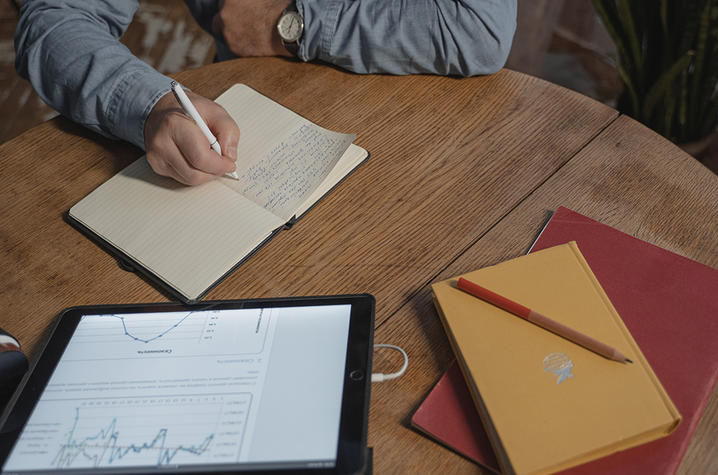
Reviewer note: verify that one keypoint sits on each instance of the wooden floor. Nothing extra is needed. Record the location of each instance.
(165, 36)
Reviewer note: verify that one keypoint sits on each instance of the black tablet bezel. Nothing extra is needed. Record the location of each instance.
(352, 446)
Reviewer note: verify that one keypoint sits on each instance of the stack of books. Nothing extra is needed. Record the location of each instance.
(521, 399)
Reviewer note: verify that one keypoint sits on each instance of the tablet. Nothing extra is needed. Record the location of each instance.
(270, 385)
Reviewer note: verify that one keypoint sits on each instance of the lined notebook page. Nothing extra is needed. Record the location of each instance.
(353, 156)
(188, 236)
(283, 157)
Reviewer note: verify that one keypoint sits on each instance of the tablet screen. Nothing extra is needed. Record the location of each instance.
(243, 388)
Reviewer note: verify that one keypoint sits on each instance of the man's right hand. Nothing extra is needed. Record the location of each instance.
(176, 147)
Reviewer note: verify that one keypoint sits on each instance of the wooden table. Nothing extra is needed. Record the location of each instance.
(462, 175)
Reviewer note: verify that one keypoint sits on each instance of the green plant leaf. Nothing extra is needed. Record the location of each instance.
(667, 59)
(607, 11)
(710, 121)
(656, 48)
(664, 23)
(631, 31)
(635, 108)
(670, 111)
(661, 88)
(687, 13)
(683, 91)
(697, 77)
(707, 88)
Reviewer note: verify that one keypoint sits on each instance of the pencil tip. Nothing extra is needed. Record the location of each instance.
(629, 361)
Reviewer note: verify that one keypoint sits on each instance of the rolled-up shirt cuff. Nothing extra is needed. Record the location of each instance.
(132, 101)
(320, 19)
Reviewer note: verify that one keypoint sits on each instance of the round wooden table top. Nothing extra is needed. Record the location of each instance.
(462, 174)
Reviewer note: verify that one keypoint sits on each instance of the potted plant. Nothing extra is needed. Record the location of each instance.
(668, 62)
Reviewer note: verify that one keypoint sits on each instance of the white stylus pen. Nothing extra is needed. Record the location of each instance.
(191, 111)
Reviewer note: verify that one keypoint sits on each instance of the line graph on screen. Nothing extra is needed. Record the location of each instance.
(169, 334)
(140, 431)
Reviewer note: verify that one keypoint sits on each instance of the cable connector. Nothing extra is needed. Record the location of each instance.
(379, 377)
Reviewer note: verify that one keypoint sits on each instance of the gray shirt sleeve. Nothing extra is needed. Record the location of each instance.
(71, 54)
(447, 37)
(70, 51)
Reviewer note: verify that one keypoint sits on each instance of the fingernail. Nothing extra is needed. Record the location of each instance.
(232, 152)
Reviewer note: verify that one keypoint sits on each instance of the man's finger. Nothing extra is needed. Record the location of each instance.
(195, 149)
(221, 124)
(225, 129)
(167, 160)
(183, 171)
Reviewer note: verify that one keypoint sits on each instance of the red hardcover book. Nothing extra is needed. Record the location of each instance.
(669, 304)
(448, 415)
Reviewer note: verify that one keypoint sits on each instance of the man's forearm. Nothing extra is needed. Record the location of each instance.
(71, 54)
(462, 38)
(405, 37)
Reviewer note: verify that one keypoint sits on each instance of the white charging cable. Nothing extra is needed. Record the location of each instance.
(379, 377)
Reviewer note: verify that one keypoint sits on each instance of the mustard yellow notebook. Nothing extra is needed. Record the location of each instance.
(547, 403)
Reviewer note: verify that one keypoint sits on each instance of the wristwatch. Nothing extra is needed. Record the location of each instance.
(290, 27)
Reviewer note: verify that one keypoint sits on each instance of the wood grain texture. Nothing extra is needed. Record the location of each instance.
(629, 178)
(461, 174)
(385, 230)
(434, 142)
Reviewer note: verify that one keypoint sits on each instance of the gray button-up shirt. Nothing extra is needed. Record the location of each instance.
(69, 49)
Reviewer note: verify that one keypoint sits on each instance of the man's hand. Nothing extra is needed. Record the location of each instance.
(250, 26)
(177, 148)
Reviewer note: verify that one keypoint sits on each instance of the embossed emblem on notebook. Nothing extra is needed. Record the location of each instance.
(560, 365)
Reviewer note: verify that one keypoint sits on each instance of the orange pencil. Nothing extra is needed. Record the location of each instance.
(542, 321)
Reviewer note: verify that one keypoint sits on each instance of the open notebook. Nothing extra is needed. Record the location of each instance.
(187, 239)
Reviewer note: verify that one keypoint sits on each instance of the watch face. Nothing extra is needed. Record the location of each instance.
(290, 26)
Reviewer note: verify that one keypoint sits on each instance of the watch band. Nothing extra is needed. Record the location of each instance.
(292, 7)
(292, 47)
